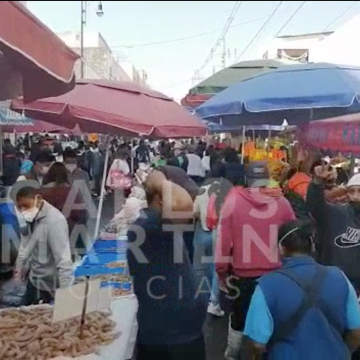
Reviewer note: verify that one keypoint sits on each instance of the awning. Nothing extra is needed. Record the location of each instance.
(34, 62)
(125, 108)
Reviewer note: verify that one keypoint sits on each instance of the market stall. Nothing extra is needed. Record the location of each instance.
(31, 333)
(107, 260)
(124, 314)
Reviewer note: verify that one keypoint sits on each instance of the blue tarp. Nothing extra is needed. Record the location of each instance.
(101, 246)
(297, 93)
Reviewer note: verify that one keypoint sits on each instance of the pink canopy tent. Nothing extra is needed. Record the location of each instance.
(339, 134)
(102, 106)
(41, 127)
(34, 62)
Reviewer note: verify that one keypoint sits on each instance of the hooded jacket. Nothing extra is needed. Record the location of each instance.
(248, 229)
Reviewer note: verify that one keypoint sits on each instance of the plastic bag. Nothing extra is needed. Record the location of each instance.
(12, 293)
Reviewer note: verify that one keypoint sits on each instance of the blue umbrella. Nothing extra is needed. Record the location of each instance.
(298, 93)
(218, 128)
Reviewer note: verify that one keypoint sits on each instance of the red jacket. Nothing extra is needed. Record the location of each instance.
(248, 230)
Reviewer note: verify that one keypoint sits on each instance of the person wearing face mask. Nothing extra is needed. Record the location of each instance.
(304, 310)
(42, 164)
(337, 225)
(44, 255)
(74, 172)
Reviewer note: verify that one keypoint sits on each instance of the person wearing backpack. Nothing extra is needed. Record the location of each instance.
(303, 310)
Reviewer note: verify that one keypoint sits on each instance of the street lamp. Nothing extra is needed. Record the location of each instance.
(99, 12)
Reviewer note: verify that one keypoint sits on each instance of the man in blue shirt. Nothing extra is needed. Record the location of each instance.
(304, 310)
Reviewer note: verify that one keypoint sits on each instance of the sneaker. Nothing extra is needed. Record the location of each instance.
(215, 310)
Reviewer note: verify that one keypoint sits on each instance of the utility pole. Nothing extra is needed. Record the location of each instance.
(223, 55)
(99, 12)
(83, 23)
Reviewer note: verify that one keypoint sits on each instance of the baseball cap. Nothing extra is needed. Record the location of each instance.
(257, 174)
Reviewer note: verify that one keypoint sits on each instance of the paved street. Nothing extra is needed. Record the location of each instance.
(215, 337)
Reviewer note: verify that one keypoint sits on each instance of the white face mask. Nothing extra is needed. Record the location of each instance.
(30, 215)
(71, 167)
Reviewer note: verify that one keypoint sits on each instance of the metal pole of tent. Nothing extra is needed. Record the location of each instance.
(243, 145)
(102, 192)
(268, 143)
(132, 156)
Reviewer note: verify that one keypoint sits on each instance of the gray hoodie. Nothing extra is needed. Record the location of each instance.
(45, 251)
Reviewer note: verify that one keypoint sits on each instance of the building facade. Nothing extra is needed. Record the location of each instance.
(99, 60)
(294, 47)
(137, 76)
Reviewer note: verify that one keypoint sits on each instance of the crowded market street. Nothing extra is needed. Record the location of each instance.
(179, 180)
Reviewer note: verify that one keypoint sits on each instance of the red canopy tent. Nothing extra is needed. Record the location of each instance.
(39, 127)
(34, 62)
(339, 134)
(102, 106)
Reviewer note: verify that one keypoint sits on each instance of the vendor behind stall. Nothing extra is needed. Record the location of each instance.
(44, 255)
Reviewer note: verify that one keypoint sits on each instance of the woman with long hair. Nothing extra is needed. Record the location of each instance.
(56, 191)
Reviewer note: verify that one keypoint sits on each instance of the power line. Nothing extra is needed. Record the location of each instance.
(340, 16)
(169, 41)
(225, 30)
(290, 18)
(260, 31)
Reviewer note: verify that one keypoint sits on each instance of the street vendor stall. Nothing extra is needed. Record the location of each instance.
(124, 314)
(31, 333)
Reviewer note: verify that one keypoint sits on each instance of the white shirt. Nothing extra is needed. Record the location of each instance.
(206, 163)
(201, 205)
(195, 167)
